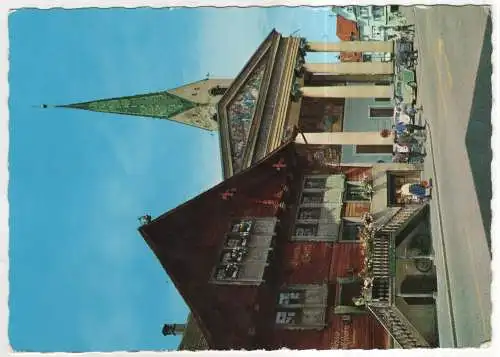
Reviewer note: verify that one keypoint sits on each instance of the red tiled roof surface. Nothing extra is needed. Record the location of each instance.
(346, 29)
(350, 56)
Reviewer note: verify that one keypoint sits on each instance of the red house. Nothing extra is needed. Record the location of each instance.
(347, 30)
(270, 258)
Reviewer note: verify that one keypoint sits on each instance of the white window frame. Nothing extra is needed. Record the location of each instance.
(380, 105)
(311, 238)
(353, 183)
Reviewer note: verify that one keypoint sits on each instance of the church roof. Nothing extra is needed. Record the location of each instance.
(187, 242)
(163, 105)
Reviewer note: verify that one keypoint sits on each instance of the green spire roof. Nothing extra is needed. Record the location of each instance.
(157, 105)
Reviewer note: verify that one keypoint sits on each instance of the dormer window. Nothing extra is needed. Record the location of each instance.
(229, 271)
(246, 251)
(218, 90)
(242, 227)
(234, 255)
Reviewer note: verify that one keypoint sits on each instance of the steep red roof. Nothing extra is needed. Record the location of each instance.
(346, 29)
(187, 242)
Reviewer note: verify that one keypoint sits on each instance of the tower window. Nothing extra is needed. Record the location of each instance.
(215, 91)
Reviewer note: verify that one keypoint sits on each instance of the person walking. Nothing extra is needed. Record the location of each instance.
(400, 149)
(402, 128)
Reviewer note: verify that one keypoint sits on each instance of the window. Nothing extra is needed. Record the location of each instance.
(227, 272)
(350, 231)
(381, 112)
(309, 213)
(378, 12)
(347, 291)
(312, 197)
(234, 242)
(374, 149)
(242, 227)
(302, 306)
(356, 192)
(315, 182)
(234, 255)
(290, 298)
(287, 317)
(306, 229)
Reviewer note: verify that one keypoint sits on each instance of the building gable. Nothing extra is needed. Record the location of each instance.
(242, 105)
(188, 241)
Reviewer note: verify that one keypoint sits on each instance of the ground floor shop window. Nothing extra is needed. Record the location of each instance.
(350, 231)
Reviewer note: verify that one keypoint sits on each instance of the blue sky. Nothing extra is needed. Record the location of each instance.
(81, 277)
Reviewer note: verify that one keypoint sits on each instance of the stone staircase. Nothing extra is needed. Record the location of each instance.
(401, 219)
(380, 256)
(405, 334)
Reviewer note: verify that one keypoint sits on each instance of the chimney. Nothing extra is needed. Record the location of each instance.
(173, 329)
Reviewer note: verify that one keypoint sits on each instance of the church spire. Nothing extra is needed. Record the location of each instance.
(192, 104)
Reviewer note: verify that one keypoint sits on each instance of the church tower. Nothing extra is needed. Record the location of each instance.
(192, 104)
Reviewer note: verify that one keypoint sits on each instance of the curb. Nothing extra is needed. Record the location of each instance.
(440, 232)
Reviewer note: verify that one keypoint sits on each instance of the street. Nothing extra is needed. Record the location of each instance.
(454, 88)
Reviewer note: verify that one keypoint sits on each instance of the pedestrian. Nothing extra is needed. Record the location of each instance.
(402, 128)
(417, 190)
(410, 27)
(411, 111)
(400, 149)
(399, 158)
(406, 139)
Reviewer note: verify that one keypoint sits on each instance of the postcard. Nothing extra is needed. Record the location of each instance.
(249, 178)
